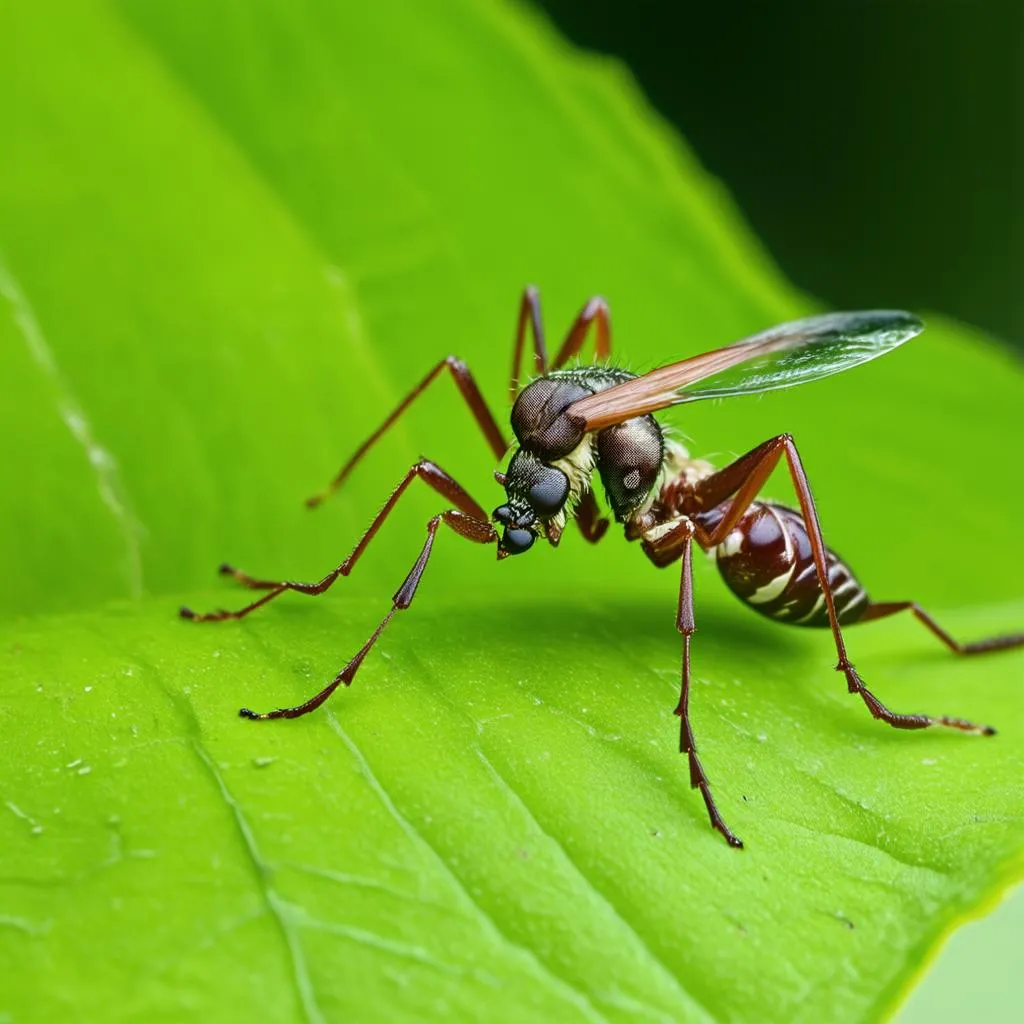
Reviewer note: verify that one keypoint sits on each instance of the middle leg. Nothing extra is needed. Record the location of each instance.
(592, 524)
(670, 543)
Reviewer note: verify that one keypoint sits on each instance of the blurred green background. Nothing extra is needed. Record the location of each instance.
(875, 146)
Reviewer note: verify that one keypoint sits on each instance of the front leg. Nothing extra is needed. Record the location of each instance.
(431, 473)
(464, 525)
(468, 520)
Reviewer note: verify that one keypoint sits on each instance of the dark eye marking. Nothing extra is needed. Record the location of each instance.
(515, 542)
(548, 494)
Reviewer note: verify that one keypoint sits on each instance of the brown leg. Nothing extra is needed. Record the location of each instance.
(464, 525)
(529, 313)
(681, 537)
(429, 472)
(470, 392)
(245, 579)
(882, 610)
(594, 311)
(744, 479)
(589, 520)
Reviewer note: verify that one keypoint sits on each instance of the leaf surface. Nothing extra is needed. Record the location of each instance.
(232, 237)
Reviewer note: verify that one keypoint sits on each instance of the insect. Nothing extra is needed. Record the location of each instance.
(572, 422)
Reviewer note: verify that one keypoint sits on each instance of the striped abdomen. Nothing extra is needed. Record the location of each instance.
(766, 561)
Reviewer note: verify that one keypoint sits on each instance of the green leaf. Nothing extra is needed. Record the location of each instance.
(232, 236)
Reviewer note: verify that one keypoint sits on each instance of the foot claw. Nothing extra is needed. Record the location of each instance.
(251, 715)
(186, 613)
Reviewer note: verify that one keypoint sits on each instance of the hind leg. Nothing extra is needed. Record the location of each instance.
(735, 487)
(882, 610)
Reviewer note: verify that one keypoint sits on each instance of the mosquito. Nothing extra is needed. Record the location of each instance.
(575, 420)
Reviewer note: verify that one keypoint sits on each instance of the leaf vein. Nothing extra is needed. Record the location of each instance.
(511, 793)
(559, 984)
(278, 908)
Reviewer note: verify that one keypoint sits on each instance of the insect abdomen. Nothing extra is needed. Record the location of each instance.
(766, 561)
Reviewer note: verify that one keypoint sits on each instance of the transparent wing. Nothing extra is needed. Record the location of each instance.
(781, 357)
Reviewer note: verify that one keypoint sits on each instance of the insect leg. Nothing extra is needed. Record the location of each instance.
(470, 392)
(744, 478)
(594, 311)
(740, 480)
(682, 536)
(427, 471)
(529, 313)
(882, 610)
(467, 526)
(588, 518)
(246, 580)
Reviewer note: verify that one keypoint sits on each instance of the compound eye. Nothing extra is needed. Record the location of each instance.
(515, 542)
(548, 494)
